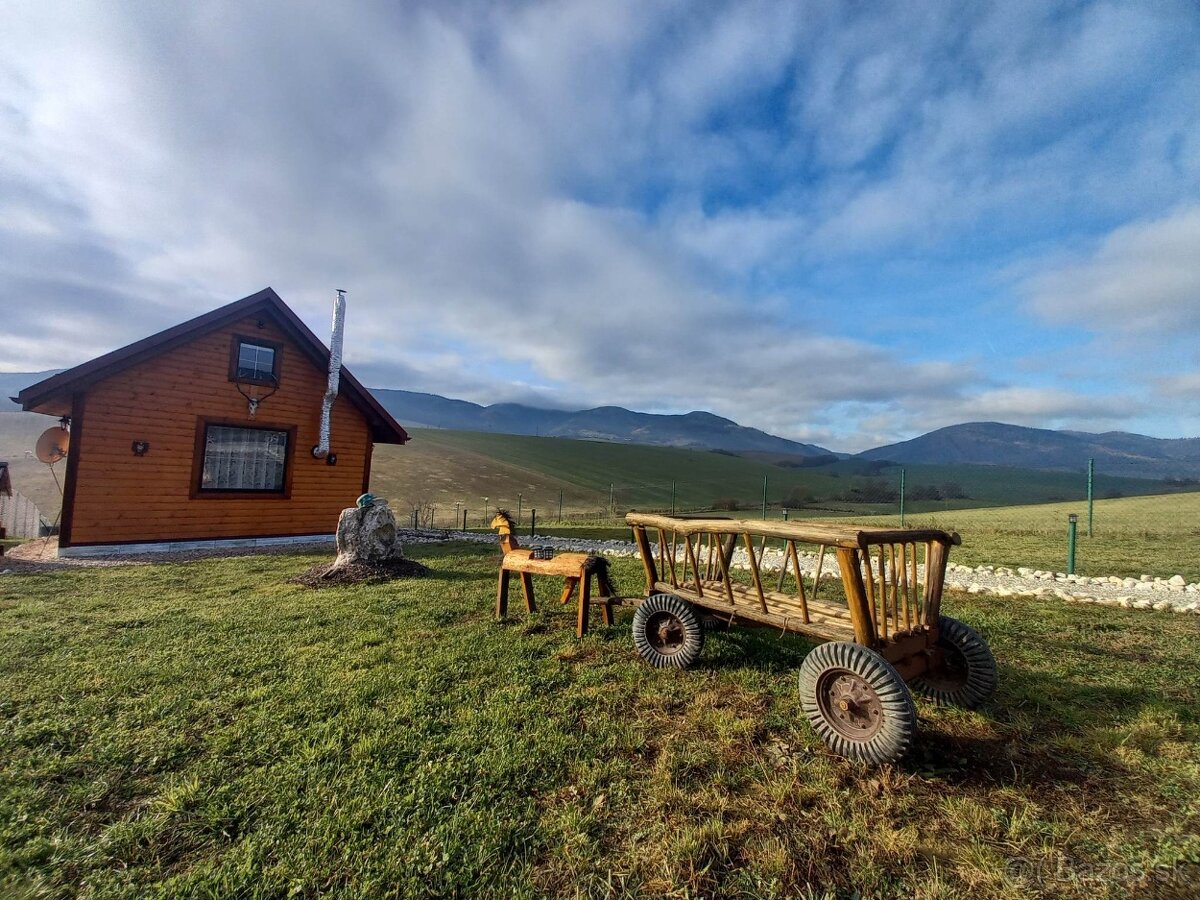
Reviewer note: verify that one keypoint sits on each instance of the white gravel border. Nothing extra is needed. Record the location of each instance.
(1172, 594)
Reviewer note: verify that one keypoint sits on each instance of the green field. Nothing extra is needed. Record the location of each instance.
(445, 467)
(211, 730)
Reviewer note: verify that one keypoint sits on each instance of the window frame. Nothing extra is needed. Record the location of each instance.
(199, 492)
(235, 353)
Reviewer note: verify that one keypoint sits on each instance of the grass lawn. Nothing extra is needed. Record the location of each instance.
(209, 729)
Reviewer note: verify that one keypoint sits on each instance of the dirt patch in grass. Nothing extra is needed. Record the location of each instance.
(324, 575)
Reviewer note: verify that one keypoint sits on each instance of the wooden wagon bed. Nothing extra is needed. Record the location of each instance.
(892, 579)
(884, 634)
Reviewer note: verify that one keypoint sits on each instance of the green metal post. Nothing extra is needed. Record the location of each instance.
(612, 500)
(764, 496)
(464, 528)
(1091, 492)
(901, 498)
(532, 522)
(672, 498)
(1072, 521)
(560, 504)
(520, 497)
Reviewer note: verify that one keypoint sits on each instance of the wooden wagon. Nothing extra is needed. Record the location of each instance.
(871, 597)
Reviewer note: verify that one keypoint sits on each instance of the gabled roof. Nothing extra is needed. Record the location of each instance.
(384, 428)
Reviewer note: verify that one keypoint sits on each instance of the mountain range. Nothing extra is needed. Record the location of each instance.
(972, 443)
(694, 430)
(992, 443)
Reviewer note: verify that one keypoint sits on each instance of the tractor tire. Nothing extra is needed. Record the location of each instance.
(968, 675)
(857, 703)
(667, 632)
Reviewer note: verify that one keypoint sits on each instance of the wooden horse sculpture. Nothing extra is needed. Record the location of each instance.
(577, 568)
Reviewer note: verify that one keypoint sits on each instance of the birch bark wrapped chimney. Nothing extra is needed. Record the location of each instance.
(321, 450)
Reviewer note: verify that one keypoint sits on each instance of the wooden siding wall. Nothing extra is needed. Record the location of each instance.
(120, 497)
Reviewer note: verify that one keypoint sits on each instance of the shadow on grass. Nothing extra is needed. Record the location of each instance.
(1025, 734)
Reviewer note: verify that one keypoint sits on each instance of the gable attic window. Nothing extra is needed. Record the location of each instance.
(254, 360)
(235, 461)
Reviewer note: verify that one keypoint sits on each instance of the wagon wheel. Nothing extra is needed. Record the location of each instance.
(857, 703)
(667, 631)
(967, 675)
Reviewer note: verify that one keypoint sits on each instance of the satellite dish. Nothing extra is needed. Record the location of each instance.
(52, 446)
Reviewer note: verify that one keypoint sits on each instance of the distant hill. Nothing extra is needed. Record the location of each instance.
(12, 383)
(994, 444)
(695, 430)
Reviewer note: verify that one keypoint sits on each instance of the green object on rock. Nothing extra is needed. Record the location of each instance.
(365, 500)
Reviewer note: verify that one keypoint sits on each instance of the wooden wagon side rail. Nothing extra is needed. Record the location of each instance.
(886, 602)
(849, 536)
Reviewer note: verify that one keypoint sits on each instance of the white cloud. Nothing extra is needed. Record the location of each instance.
(569, 192)
(1143, 277)
(1185, 385)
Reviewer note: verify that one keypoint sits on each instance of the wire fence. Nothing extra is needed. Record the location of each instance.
(1085, 520)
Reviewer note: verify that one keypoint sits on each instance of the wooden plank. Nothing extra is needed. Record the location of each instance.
(502, 595)
(585, 598)
(869, 584)
(527, 589)
(818, 630)
(851, 537)
(606, 609)
(691, 559)
(935, 578)
(639, 536)
(856, 597)
(914, 594)
(568, 591)
(883, 619)
(663, 560)
(799, 579)
(903, 584)
(754, 574)
(564, 565)
(786, 603)
(817, 576)
(725, 579)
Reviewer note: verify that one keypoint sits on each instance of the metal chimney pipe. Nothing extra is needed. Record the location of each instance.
(321, 450)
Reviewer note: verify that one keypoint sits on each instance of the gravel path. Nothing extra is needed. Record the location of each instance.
(1172, 594)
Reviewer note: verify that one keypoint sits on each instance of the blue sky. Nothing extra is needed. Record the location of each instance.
(843, 223)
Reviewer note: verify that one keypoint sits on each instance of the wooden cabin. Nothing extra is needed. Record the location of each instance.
(166, 451)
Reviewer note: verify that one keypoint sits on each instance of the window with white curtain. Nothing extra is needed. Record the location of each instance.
(244, 459)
